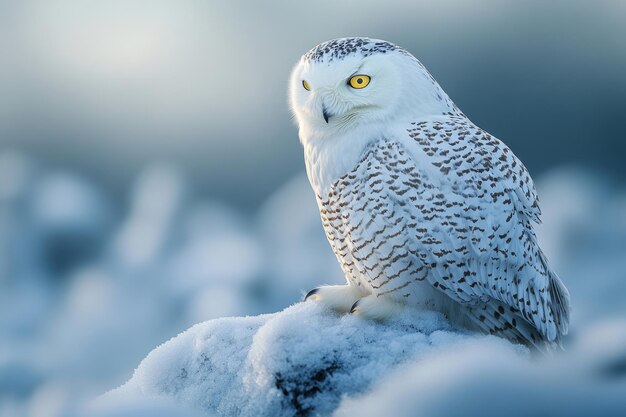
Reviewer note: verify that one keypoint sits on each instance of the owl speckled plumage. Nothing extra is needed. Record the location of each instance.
(421, 207)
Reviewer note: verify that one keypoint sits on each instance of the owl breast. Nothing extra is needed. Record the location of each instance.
(370, 231)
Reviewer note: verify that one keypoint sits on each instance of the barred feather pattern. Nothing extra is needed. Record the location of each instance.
(441, 216)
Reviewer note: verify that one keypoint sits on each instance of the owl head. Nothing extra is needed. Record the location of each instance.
(360, 82)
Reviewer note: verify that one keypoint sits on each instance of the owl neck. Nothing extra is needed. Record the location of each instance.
(328, 157)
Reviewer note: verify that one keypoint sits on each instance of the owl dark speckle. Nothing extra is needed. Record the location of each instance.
(339, 48)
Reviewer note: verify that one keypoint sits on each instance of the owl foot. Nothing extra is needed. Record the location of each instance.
(375, 308)
(338, 297)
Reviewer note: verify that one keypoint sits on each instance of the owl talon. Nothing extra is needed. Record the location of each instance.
(375, 308)
(337, 297)
(311, 293)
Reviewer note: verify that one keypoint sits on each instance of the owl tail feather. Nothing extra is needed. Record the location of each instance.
(559, 301)
(495, 318)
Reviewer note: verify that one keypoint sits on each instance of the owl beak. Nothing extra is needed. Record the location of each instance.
(326, 114)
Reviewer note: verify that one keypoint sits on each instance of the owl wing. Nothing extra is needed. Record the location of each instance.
(476, 208)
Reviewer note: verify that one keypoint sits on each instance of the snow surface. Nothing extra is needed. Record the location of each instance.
(300, 361)
(488, 380)
(307, 361)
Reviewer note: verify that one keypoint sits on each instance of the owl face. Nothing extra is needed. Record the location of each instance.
(336, 94)
(361, 87)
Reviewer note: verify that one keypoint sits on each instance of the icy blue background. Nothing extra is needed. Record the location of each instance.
(145, 145)
(106, 87)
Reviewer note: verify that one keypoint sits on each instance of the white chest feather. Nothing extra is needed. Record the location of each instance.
(328, 158)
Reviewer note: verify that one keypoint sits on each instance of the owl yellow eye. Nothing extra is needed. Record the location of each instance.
(359, 81)
(306, 85)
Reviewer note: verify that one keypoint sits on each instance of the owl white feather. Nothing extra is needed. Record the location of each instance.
(421, 207)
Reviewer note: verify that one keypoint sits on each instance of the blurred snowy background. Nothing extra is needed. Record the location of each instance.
(145, 145)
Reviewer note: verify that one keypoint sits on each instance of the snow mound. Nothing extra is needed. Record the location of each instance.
(487, 380)
(301, 361)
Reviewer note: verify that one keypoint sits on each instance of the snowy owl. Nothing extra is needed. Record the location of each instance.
(421, 207)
